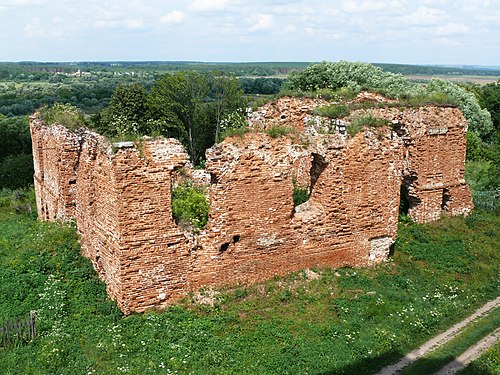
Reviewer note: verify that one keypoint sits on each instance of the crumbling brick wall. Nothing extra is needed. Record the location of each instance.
(120, 196)
(434, 160)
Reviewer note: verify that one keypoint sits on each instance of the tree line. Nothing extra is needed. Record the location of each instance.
(187, 105)
(197, 106)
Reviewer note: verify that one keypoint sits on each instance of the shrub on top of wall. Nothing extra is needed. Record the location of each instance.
(358, 123)
(357, 76)
(63, 114)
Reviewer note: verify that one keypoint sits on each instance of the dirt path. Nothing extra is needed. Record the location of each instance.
(470, 354)
(439, 340)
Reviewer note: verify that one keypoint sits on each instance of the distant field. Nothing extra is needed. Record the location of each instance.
(482, 80)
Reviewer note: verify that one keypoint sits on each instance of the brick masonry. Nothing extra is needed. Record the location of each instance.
(120, 197)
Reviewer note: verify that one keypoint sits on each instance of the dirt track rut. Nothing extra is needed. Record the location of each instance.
(441, 339)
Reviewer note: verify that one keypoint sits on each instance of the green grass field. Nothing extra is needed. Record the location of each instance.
(437, 359)
(488, 363)
(345, 321)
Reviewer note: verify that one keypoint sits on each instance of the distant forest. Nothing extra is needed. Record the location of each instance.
(27, 86)
(256, 69)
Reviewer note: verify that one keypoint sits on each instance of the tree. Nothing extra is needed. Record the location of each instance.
(15, 136)
(489, 98)
(228, 97)
(16, 171)
(126, 112)
(354, 75)
(177, 100)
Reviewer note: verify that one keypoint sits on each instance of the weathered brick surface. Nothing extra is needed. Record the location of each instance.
(434, 159)
(121, 198)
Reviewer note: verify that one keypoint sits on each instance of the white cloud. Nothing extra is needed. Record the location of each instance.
(426, 16)
(36, 29)
(447, 42)
(21, 3)
(309, 31)
(133, 23)
(288, 30)
(128, 23)
(451, 29)
(262, 22)
(493, 18)
(434, 2)
(362, 6)
(172, 18)
(208, 5)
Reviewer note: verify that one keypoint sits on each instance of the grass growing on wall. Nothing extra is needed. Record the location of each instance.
(300, 193)
(345, 321)
(357, 124)
(63, 114)
(190, 205)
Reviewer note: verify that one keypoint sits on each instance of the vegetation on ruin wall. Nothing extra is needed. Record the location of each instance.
(300, 193)
(359, 123)
(25, 87)
(63, 114)
(190, 206)
(357, 76)
(341, 81)
(344, 321)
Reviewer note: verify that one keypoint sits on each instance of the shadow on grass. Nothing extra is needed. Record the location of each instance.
(372, 366)
(368, 366)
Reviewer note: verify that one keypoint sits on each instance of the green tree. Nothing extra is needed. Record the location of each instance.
(228, 97)
(489, 98)
(126, 112)
(177, 100)
(16, 171)
(15, 136)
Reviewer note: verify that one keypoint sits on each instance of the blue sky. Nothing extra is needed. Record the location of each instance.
(397, 31)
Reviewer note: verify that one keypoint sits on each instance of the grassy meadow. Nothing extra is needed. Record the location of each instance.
(320, 322)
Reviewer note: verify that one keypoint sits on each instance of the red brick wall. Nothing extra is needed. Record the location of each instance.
(121, 199)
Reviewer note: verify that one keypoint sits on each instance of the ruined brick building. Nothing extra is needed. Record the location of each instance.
(120, 196)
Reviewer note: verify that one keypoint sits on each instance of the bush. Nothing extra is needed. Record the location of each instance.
(300, 194)
(63, 114)
(21, 201)
(334, 111)
(358, 123)
(276, 131)
(355, 76)
(233, 124)
(190, 206)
